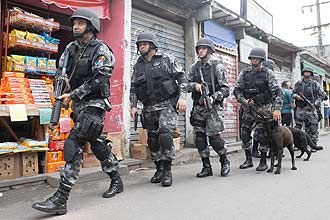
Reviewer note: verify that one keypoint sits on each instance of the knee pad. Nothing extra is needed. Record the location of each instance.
(218, 144)
(101, 148)
(72, 148)
(153, 141)
(200, 141)
(246, 135)
(165, 138)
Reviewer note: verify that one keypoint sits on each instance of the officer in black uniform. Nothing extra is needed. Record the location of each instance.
(158, 81)
(256, 88)
(89, 68)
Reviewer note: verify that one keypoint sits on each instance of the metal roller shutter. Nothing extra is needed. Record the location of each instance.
(171, 39)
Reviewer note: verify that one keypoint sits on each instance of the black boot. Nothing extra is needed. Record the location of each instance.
(225, 165)
(206, 170)
(255, 151)
(317, 147)
(55, 204)
(263, 163)
(167, 173)
(116, 185)
(157, 178)
(248, 162)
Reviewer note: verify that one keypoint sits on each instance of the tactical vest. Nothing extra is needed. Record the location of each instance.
(155, 81)
(206, 71)
(256, 86)
(309, 91)
(80, 70)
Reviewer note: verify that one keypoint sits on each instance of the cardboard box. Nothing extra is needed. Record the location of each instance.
(54, 156)
(117, 139)
(143, 136)
(89, 160)
(55, 167)
(10, 166)
(30, 164)
(87, 148)
(56, 145)
(176, 142)
(139, 151)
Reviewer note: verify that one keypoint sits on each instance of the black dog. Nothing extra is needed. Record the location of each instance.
(279, 138)
(301, 140)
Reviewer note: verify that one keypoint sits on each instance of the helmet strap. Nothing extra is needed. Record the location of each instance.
(89, 28)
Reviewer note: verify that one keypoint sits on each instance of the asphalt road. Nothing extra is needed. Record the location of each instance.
(303, 194)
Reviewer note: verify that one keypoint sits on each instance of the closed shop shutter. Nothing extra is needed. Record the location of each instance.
(171, 39)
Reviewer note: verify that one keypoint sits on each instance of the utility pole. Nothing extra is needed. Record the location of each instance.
(320, 48)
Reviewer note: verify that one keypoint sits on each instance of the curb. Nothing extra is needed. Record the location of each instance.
(185, 156)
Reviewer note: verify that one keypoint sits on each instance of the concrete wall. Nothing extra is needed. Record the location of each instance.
(191, 37)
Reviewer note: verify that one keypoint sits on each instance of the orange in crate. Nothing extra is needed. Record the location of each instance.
(55, 167)
(55, 156)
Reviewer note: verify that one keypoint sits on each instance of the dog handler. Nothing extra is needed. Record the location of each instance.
(257, 87)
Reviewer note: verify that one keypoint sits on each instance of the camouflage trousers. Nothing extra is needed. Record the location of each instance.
(208, 124)
(248, 124)
(160, 125)
(73, 154)
(308, 117)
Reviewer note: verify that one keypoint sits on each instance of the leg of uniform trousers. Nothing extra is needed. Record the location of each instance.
(300, 117)
(311, 127)
(154, 146)
(248, 121)
(262, 139)
(204, 152)
(56, 204)
(150, 122)
(167, 123)
(199, 116)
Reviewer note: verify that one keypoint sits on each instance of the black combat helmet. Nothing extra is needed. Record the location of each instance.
(88, 15)
(147, 37)
(270, 64)
(307, 69)
(206, 43)
(258, 53)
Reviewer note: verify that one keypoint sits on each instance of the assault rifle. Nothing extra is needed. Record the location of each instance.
(306, 101)
(58, 91)
(205, 98)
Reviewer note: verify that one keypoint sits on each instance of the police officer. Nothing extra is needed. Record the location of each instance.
(257, 88)
(308, 90)
(208, 123)
(89, 68)
(158, 81)
(255, 146)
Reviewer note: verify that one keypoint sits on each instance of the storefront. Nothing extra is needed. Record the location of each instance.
(33, 35)
(171, 39)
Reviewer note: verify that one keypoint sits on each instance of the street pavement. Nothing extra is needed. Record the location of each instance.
(303, 194)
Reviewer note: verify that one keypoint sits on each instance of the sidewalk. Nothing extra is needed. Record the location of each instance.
(185, 156)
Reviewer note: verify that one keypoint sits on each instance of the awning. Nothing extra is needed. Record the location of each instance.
(318, 70)
(220, 35)
(100, 7)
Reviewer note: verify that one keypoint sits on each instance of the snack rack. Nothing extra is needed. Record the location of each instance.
(22, 162)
